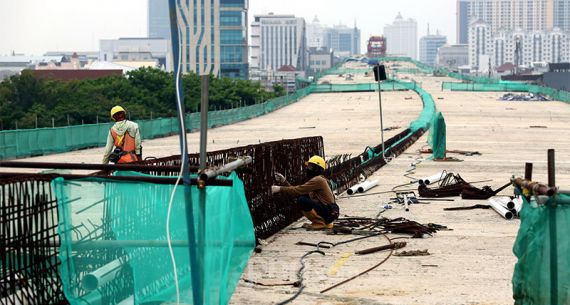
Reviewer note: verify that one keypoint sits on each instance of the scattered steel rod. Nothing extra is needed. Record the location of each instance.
(396, 245)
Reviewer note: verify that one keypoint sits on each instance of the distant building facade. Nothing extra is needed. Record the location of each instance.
(343, 40)
(453, 56)
(158, 19)
(402, 37)
(376, 47)
(462, 21)
(562, 15)
(320, 59)
(315, 34)
(277, 41)
(214, 37)
(521, 48)
(146, 50)
(429, 45)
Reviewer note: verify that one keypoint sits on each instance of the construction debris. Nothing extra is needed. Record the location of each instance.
(413, 253)
(526, 97)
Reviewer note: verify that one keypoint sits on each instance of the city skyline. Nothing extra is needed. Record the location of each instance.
(71, 26)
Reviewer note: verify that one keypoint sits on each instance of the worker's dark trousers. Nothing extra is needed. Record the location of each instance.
(329, 212)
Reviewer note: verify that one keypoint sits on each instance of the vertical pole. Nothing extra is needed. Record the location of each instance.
(68, 120)
(196, 263)
(528, 171)
(380, 106)
(553, 232)
(204, 121)
(52, 122)
(36, 121)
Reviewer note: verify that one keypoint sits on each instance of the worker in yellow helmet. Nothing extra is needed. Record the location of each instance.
(315, 196)
(124, 139)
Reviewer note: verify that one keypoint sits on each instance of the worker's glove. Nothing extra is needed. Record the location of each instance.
(275, 189)
(279, 178)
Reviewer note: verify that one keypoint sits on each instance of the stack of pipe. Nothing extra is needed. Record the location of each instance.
(362, 187)
(497, 205)
(432, 179)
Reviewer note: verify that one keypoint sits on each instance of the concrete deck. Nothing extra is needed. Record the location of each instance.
(473, 264)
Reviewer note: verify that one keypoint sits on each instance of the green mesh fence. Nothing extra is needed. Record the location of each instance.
(114, 244)
(542, 272)
(437, 137)
(560, 95)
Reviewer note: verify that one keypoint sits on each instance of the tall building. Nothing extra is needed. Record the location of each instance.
(562, 14)
(479, 43)
(402, 37)
(343, 40)
(527, 15)
(462, 24)
(315, 34)
(453, 56)
(277, 41)
(214, 37)
(429, 45)
(158, 19)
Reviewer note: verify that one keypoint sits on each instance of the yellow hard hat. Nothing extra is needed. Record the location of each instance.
(318, 161)
(117, 109)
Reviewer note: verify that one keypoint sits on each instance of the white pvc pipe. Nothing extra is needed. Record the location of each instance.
(507, 202)
(101, 276)
(518, 204)
(354, 188)
(406, 203)
(432, 179)
(366, 185)
(500, 209)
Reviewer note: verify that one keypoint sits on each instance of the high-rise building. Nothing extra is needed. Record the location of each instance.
(402, 37)
(342, 39)
(158, 19)
(479, 43)
(527, 15)
(277, 41)
(462, 24)
(125, 50)
(562, 14)
(453, 56)
(429, 45)
(315, 34)
(214, 37)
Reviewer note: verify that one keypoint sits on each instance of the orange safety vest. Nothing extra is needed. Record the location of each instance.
(127, 143)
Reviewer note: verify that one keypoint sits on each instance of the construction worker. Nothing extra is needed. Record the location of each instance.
(124, 139)
(314, 196)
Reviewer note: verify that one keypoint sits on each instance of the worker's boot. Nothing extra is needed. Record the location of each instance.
(317, 222)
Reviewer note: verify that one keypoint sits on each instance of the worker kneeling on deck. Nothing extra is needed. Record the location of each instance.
(124, 139)
(315, 196)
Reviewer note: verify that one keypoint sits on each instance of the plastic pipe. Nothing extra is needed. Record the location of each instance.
(518, 204)
(209, 174)
(366, 185)
(500, 209)
(101, 276)
(432, 179)
(354, 188)
(507, 202)
(407, 207)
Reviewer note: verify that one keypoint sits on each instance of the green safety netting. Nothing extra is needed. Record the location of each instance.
(114, 244)
(560, 95)
(542, 272)
(437, 137)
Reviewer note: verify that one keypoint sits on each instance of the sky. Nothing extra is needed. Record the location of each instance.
(33, 27)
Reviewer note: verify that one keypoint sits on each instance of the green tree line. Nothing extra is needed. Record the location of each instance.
(146, 93)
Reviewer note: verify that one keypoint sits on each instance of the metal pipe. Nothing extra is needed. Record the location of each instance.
(156, 180)
(500, 209)
(204, 103)
(535, 187)
(432, 179)
(86, 166)
(366, 185)
(528, 171)
(211, 173)
(551, 169)
(119, 244)
(407, 207)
